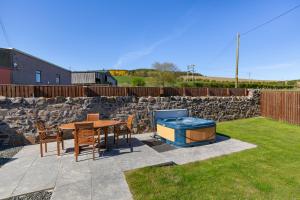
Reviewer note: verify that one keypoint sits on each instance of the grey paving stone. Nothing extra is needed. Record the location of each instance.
(75, 191)
(114, 187)
(40, 176)
(9, 181)
(192, 154)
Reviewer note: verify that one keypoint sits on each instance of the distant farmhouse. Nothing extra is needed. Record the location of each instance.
(93, 77)
(17, 67)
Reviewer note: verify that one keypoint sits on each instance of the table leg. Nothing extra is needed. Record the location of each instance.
(105, 130)
(61, 134)
(99, 139)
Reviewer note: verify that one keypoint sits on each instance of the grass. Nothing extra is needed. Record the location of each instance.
(126, 80)
(270, 171)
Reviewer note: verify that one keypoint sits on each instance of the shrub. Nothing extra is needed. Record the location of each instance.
(138, 82)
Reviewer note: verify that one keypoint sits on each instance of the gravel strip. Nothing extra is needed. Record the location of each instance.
(41, 195)
(7, 152)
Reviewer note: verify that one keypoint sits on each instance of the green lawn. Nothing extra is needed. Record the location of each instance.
(270, 171)
(126, 80)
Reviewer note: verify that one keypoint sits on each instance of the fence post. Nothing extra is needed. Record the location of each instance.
(184, 91)
(32, 90)
(161, 92)
(126, 91)
(228, 92)
(85, 91)
(207, 91)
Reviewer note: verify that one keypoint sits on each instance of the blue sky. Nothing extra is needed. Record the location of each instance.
(128, 34)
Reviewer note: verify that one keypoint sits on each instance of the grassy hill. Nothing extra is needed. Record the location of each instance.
(148, 76)
(127, 80)
(216, 78)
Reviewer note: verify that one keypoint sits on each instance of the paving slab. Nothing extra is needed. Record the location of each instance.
(141, 156)
(192, 154)
(75, 191)
(41, 175)
(71, 172)
(13, 172)
(114, 187)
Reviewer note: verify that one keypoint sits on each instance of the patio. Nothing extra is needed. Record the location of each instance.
(102, 178)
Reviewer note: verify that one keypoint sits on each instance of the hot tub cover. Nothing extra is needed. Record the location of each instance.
(186, 123)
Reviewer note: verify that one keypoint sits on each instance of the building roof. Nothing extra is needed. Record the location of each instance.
(96, 71)
(27, 54)
(91, 71)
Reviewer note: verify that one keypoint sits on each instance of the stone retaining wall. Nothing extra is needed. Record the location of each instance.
(18, 115)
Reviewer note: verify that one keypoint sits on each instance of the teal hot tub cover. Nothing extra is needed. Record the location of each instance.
(189, 123)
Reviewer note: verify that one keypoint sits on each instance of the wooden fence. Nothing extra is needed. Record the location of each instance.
(281, 105)
(91, 91)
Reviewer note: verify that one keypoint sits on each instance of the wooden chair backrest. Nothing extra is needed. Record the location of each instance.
(40, 125)
(93, 117)
(41, 128)
(130, 122)
(84, 130)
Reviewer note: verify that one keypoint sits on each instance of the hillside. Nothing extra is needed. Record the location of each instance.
(215, 78)
(147, 76)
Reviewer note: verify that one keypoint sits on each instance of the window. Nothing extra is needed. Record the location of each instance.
(57, 80)
(38, 76)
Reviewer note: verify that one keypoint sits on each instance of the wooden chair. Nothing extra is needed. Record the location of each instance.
(126, 130)
(94, 117)
(48, 134)
(84, 135)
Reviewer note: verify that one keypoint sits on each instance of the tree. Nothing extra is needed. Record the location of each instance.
(138, 82)
(165, 73)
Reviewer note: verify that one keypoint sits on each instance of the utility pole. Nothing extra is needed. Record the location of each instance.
(237, 61)
(187, 74)
(249, 79)
(191, 69)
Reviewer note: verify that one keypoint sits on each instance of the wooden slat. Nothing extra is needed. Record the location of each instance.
(281, 105)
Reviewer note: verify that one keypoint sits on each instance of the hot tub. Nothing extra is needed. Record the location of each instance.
(185, 131)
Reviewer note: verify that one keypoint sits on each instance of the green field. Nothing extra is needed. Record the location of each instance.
(150, 81)
(270, 171)
(127, 80)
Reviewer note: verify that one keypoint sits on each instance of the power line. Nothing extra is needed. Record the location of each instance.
(231, 42)
(5, 33)
(270, 20)
(222, 51)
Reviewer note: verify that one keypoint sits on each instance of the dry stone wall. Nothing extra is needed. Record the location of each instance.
(18, 115)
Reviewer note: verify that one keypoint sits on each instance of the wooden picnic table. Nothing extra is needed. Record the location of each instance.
(99, 124)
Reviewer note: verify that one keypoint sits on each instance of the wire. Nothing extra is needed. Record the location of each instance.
(222, 51)
(5, 33)
(270, 20)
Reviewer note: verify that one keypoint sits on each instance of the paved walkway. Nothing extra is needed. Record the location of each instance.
(99, 179)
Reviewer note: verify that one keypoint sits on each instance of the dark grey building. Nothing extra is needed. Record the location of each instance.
(17, 67)
(100, 77)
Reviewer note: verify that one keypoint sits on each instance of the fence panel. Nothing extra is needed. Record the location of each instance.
(238, 91)
(218, 92)
(92, 91)
(16, 91)
(196, 91)
(144, 91)
(281, 105)
(169, 91)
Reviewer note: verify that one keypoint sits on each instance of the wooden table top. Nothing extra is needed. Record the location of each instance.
(97, 124)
